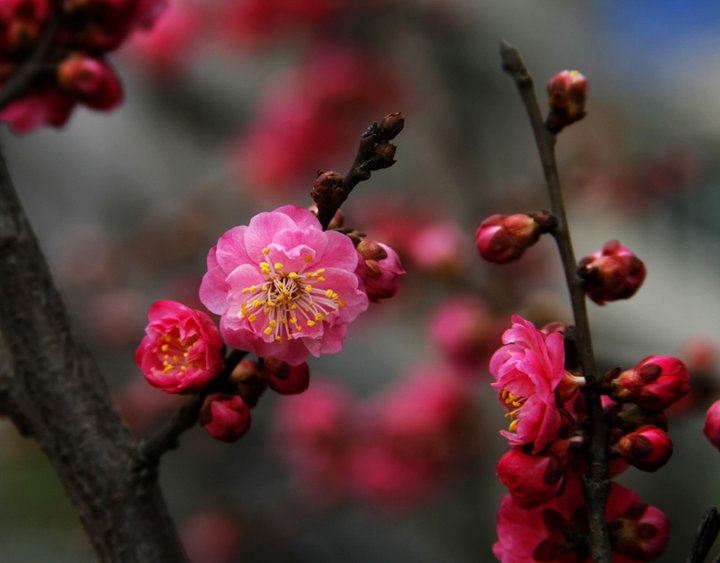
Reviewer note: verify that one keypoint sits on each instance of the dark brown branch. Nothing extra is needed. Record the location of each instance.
(596, 481)
(705, 537)
(374, 153)
(53, 390)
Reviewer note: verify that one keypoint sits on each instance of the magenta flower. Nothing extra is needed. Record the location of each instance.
(283, 286)
(226, 417)
(528, 369)
(182, 348)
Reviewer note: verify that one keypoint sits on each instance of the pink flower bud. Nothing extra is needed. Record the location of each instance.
(568, 93)
(92, 81)
(711, 429)
(647, 448)
(641, 532)
(182, 348)
(504, 238)
(286, 379)
(654, 384)
(382, 269)
(611, 273)
(226, 417)
(533, 480)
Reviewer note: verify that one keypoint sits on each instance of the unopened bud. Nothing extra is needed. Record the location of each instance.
(286, 379)
(380, 269)
(654, 384)
(329, 192)
(391, 125)
(611, 273)
(647, 448)
(711, 429)
(92, 81)
(567, 92)
(641, 533)
(504, 238)
(384, 156)
(226, 417)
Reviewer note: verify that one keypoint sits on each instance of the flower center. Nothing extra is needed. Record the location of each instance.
(178, 355)
(289, 302)
(513, 403)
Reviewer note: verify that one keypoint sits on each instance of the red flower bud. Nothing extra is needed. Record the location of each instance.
(533, 480)
(225, 417)
(647, 448)
(567, 92)
(641, 533)
(712, 424)
(92, 81)
(380, 269)
(286, 379)
(654, 384)
(611, 273)
(504, 238)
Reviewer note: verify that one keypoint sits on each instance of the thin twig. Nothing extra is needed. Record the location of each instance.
(705, 537)
(167, 437)
(596, 481)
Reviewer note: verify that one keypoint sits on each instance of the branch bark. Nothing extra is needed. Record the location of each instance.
(596, 482)
(52, 389)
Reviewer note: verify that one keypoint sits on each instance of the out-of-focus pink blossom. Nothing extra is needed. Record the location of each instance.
(182, 348)
(438, 247)
(226, 417)
(611, 273)
(647, 448)
(311, 117)
(464, 332)
(529, 368)
(210, 537)
(533, 480)
(140, 409)
(20, 24)
(711, 429)
(654, 384)
(381, 269)
(165, 49)
(283, 286)
(47, 105)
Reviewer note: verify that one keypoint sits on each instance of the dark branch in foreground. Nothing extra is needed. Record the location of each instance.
(596, 482)
(52, 389)
(705, 537)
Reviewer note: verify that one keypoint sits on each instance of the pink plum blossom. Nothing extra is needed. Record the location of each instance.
(529, 368)
(182, 348)
(283, 286)
(226, 417)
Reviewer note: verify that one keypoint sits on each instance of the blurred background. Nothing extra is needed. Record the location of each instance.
(232, 106)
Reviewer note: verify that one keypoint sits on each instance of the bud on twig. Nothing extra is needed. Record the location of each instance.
(568, 94)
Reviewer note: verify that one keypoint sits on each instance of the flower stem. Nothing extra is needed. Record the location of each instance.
(596, 482)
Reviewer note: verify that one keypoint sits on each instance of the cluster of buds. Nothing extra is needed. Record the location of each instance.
(77, 35)
(548, 432)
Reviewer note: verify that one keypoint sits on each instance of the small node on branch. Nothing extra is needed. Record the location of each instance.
(391, 125)
(329, 192)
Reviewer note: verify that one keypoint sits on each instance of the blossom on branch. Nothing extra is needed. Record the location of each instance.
(283, 286)
(226, 417)
(182, 348)
(528, 369)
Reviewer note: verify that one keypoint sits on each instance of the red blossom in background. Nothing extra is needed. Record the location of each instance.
(711, 428)
(310, 117)
(283, 286)
(182, 348)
